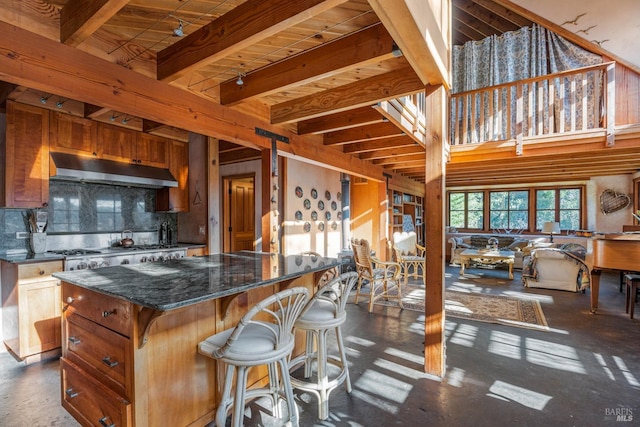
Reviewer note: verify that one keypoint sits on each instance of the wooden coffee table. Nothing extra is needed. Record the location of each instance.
(487, 258)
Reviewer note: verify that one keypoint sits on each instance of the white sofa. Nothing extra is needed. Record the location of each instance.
(553, 268)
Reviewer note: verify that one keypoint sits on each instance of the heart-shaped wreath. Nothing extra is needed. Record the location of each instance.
(611, 201)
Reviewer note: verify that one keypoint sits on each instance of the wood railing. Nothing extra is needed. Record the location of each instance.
(572, 101)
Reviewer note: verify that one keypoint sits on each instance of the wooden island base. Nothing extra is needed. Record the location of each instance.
(133, 366)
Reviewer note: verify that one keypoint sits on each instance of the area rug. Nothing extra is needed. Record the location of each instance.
(523, 313)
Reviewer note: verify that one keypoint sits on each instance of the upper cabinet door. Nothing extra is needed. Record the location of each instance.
(152, 150)
(71, 134)
(26, 153)
(116, 143)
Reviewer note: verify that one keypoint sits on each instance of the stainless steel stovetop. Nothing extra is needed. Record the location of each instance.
(82, 259)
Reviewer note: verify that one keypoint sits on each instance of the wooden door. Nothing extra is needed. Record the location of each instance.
(240, 213)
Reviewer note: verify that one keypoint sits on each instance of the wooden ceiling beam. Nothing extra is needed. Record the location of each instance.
(241, 154)
(362, 133)
(481, 14)
(333, 122)
(517, 20)
(380, 144)
(473, 22)
(391, 160)
(369, 45)
(79, 19)
(50, 66)
(391, 151)
(238, 29)
(394, 84)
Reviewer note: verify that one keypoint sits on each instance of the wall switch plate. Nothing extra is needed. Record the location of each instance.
(22, 235)
(201, 230)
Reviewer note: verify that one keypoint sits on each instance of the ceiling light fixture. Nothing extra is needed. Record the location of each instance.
(44, 99)
(126, 120)
(240, 82)
(113, 117)
(61, 102)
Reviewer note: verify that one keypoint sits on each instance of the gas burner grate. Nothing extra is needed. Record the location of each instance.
(74, 252)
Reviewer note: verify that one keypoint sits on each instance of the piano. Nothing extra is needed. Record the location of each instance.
(614, 251)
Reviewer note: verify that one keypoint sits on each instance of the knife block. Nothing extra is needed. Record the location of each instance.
(38, 242)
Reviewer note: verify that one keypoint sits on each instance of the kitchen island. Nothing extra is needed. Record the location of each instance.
(130, 334)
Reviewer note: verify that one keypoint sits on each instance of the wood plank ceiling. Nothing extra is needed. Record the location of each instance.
(311, 66)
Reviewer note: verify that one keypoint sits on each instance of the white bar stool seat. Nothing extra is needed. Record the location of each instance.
(258, 342)
(324, 312)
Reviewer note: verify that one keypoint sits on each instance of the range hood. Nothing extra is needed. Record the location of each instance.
(69, 167)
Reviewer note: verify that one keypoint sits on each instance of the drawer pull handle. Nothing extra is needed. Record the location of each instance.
(69, 392)
(108, 313)
(103, 422)
(107, 361)
(74, 340)
(41, 272)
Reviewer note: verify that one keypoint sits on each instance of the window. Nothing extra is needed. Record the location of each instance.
(561, 205)
(66, 212)
(109, 211)
(509, 210)
(466, 210)
(516, 210)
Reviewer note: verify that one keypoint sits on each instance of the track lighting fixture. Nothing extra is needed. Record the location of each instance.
(395, 50)
(113, 117)
(240, 82)
(44, 99)
(178, 32)
(61, 102)
(126, 120)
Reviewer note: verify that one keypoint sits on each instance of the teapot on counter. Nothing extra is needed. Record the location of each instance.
(127, 239)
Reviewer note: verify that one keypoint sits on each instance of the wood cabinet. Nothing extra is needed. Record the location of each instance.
(71, 134)
(406, 207)
(31, 310)
(152, 150)
(24, 150)
(195, 252)
(176, 199)
(126, 145)
(128, 365)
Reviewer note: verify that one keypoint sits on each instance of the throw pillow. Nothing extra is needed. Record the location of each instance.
(518, 245)
(575, 249)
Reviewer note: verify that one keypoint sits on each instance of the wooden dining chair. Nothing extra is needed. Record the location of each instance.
(382, 277)
(409, 254)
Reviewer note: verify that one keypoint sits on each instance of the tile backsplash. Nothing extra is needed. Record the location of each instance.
(85, 208)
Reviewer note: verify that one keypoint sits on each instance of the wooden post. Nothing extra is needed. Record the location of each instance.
(269, 204)
(434, 360)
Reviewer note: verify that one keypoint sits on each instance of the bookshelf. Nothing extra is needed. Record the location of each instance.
(401, 204)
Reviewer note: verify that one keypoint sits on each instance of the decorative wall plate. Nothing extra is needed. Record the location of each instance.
(314, 215)
(339, 215)
(327, 215)
(334, 205)
(327, 195)
(298, 215)
(307, 204)
(334, 225)
(611, 201)
(321, 226)
(307, 226)
(299, 192)
(320, 205)
(314, 193)
(339, 196)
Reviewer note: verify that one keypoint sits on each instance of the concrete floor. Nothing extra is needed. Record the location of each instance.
(582, 372)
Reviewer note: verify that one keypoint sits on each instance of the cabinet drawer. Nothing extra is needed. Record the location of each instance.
(89, 401)
(110, 312)
(102, 349)
(37, 272)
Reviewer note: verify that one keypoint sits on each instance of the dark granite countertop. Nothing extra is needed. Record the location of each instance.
(25, 257)
(177, 283)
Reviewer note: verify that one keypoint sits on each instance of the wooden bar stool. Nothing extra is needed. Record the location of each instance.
(324, 312)
(268, 341)
(632, 281)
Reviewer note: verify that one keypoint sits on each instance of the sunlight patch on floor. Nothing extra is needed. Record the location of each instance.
(553, 355)
(505, 344)
(455, 377)
(523, 396)
(461, 334)
(631, 379)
